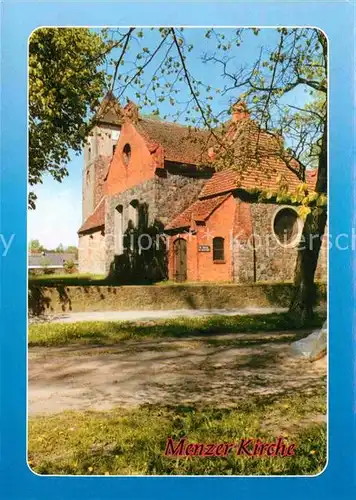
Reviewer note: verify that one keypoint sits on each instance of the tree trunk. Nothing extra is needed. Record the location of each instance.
(304, 294)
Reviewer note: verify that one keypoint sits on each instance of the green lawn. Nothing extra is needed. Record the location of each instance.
(106, 333)
(67, 279)
(133, 441)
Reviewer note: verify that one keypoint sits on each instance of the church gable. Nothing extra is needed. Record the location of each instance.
(132, 163)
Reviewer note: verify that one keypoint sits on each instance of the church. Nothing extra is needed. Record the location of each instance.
(158, 203)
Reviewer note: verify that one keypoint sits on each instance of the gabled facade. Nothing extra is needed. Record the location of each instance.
(154, 208)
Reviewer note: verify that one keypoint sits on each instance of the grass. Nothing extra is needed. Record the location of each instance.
(78, 279)
(111, 332)
(132, 441)
(85, 279)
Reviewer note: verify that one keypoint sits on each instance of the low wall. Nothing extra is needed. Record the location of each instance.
(60, 298)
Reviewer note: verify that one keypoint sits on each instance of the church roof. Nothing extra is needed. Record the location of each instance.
(110, 110)
(181, 144)
(200, 210)
(259, 158)
(96, 220)
(311, 177)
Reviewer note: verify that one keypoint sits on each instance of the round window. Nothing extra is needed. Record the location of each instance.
(287, 227)
(126, 153)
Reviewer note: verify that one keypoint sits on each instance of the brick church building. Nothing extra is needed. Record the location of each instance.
(155, 208)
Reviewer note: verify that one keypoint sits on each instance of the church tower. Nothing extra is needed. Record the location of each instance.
(98, 152)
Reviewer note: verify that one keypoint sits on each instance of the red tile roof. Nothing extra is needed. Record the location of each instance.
(311, 177)
(259, 158)
(198, 211)
(180, 144)
(96, 220)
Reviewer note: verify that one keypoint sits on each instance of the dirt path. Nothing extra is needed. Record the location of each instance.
(221, 370)
(70, 317)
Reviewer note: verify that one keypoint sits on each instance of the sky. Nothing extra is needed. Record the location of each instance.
(58, 214)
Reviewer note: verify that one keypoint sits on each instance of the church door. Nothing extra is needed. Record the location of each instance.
(180, 260)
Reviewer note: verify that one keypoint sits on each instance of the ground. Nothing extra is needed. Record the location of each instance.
(72, 317)
(219, 370)
(105, 404)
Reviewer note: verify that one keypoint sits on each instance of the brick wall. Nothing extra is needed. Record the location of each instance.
(140, 167)
(244, 259)
(252, 252)
(200, 264)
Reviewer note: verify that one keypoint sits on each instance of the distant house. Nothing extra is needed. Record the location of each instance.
(50, 260)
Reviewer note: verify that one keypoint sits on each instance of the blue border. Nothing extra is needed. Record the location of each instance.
(18, 20)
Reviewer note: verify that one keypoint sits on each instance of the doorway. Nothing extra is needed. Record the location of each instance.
(180, 260)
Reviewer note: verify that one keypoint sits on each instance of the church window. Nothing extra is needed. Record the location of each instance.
(133, 212)
(218, 249)
(126, 154)
(287, 227)
(119, 230)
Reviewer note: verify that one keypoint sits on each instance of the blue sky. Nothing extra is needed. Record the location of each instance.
(58, 213)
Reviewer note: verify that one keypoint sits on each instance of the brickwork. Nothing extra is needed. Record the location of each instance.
(200, 263)
(140, 166)
(244, 259)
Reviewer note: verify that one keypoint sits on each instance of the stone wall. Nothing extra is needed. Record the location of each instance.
(163, 197)
(91, 253)
(144, 194)
(59, 298)
(274, 262)
(174, 193)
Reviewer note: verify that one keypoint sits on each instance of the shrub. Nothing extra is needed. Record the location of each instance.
(69, 266)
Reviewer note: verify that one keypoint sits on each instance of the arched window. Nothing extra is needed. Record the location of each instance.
(126, 154)
(218, 249)
(119, 230)
(134, 212)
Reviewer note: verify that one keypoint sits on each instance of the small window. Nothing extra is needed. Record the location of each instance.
(218, 249)
(113, 148)
(119, 230)
(126, 154)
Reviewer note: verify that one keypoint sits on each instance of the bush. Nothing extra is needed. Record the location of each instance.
(69, 267)
(45, 263)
